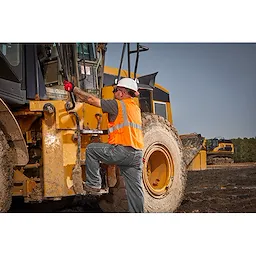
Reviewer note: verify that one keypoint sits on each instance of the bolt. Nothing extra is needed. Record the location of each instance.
(74, 137)
(48, 107)
(156, 182)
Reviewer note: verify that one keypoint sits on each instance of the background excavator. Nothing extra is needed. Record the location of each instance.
(219, 151)
(44, 132)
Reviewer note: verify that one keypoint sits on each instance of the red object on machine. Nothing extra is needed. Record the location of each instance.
(68, 86)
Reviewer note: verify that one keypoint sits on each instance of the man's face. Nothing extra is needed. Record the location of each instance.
(119, 93)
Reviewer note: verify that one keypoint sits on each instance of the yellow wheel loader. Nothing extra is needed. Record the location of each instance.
(219, 151)
(44, 132)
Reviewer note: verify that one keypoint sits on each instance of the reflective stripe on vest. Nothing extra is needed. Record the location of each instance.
(125, 123)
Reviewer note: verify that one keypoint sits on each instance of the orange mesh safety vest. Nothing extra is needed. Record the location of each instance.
(126, 130)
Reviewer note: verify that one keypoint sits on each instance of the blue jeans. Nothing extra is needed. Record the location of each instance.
(129, 161)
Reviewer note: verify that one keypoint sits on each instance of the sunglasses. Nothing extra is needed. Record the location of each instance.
(116, 90)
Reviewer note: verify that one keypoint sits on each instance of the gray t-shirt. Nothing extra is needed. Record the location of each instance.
(110, 107)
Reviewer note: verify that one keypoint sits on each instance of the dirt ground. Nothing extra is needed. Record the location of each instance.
(219, 189)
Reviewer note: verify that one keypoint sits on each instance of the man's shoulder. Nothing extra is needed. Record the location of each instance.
(108, 101)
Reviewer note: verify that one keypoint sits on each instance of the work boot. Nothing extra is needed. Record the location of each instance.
(93, 191)
(90, 190)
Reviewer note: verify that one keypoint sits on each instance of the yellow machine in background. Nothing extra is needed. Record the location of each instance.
(220, 151)
(44, 132)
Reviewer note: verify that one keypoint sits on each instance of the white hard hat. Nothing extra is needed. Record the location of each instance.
(128, 83)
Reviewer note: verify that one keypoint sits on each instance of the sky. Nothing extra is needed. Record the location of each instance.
(212, 85)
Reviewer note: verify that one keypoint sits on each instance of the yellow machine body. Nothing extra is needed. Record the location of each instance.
(199, 162)
(221, 148)
(59, 146)
(220, 151)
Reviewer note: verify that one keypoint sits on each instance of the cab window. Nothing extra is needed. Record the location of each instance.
(145, 100)
(11, 53)
(160, 109)
(86, 51)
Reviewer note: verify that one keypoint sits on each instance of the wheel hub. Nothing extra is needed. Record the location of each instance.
(158, 170)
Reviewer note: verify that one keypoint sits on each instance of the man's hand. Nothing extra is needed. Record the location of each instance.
(69, 87)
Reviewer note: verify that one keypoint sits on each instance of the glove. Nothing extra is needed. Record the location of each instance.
(69, 87)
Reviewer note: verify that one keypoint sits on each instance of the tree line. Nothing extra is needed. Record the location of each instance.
(245, 150)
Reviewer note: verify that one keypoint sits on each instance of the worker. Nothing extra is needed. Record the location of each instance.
(125, 142)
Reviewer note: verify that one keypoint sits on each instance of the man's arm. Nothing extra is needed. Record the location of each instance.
(110, 107)
(86, 97)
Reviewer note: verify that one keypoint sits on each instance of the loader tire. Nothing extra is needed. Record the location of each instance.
(6, 174)
(164, 172)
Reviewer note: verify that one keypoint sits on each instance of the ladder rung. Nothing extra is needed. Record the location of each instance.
(95, 131)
